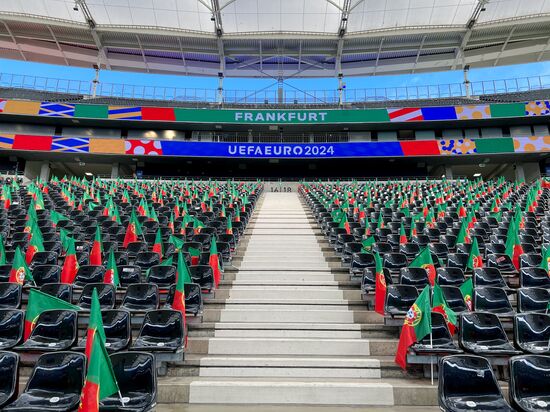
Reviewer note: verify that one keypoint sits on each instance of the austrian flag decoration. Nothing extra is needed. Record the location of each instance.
(406, 114)
(143, 147)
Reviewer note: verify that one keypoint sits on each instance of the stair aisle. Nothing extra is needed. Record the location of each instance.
(288, 329)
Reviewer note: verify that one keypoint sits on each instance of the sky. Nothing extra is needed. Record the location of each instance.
(493, 73)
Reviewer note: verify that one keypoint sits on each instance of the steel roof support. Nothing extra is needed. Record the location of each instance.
(58, 45)
(480, 7)
(101, 54)
(504, 45)
(14, 40)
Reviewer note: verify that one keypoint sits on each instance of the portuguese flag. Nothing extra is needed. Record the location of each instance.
(38, 303)
(97, 249)
(132, 231)
(35, 245)
(368, 243)
(100, 378)
(229, 229)
(380, 286)
(70, 265)
(182, 277)
(467, 290)
(402, 235)
(417, 325)
(213, 261)
(463, 234)
(424, 260)
(176, 241)
(95, 325)
(195, 255)
(344, 224)
(474, 259)
(157, 246)
(2, 251)
(439, 304)
(545, 264)
(513, 245)
(19, 270)
(111, 274)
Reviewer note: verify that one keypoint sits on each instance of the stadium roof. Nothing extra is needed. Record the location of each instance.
(276, 38)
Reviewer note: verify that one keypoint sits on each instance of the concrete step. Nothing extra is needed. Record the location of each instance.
(285, 333)
(282, 265)
(296, 367)
(295, 315)
(288, 292)
(411, 395)
(288, 346)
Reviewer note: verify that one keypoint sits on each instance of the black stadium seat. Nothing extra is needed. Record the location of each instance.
(534, 277)
(467, 383)
(163, 276)
(9, 377)
(10, 295)
(448, 276)
(488, 277)
(55, 330)
(441, 341)
(399, 299)
(493, 300)
(414, 276)
(118, 333)
(89, 274)
(482, 333)
(141, 297)
(55, 384)
(136, 376)
(193, 298)
(162, 331)
(530, 382)
(62, 291)
(43, 274)
(105, 292)
(533, 299)
(11, 327)
(532, 332)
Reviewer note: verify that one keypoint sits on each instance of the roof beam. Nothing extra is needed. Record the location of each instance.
(101, 54)
(143, 54)
(14, 40)
(342, 29)
(418, 54)
(58, 45)
(218, 26)
(378, 56)
(480, 6)
(544, 50)
(504, 45)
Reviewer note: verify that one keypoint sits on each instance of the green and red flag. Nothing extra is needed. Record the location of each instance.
(56, 217)
(36, 243)
(197, 225)
(440, 305)
(132, 231)
(2, 251)
(424, 260)
(100, 379)
(513, 245)
(464, 233)
(111, 272)
(545, 263)
(474, 258)
(157, 246)
(95, 325)
(402, 235)
(96, 254)
(177, 242)
(195, 255)
(183, 276)
(344, 224)
(19, 270)
(467, 290)
(39, 302)
(70, 265)
(379, 286)
(214, 262)
(229, 229)
(417, 325)
(368, 243)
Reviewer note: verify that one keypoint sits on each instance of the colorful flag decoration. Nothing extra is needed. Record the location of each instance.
(143, 147)
(472, 112)
(537, 108)
(439, 304)
(417, 325)
(380, 286)
(95, 325)
(424, 260)
(451, 147)
(52, 109)
(19, 272)
(214, 262)
(6, 140)
(467, 290)
(70, 265)
(439, 113)
(2, 105)
(406, 114)
(124, 113)
(474, 258)
(70, 144)
(96, 254)
(29, 142)
(531, 144)
(111, 272)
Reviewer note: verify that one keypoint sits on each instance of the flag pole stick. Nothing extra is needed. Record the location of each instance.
(121, 399)
(431, 360)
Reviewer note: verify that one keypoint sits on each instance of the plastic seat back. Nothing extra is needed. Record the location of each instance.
(394, 261)
(54, 330)
(532, 332)
(457, 260)
(488, 277)
(202, 275)
(417, 277)
(11, 327)
(493, 300)
(399, 298)
(530, 382)
(118, 329)
(502, 262)
(162, 330)
(533, 299)
(450, 276)
(368, 280)
(129, 274)
(145, 260)
(105, 292)
(381, 248)
(467, 382)
(410, 250)
(527, 260)
(163, 276)
(61, 291)
(9, 377)
(141, 297)
(134, 248)
(10, 295)
(534, 277)
(193, 298)
(136, 376)
(454, 298)
(89, 274)
(482, 332)
(43, 274)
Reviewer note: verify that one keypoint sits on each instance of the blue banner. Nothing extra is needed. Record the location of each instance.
(282, 150)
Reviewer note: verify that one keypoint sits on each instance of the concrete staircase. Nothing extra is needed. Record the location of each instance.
(288, 328)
